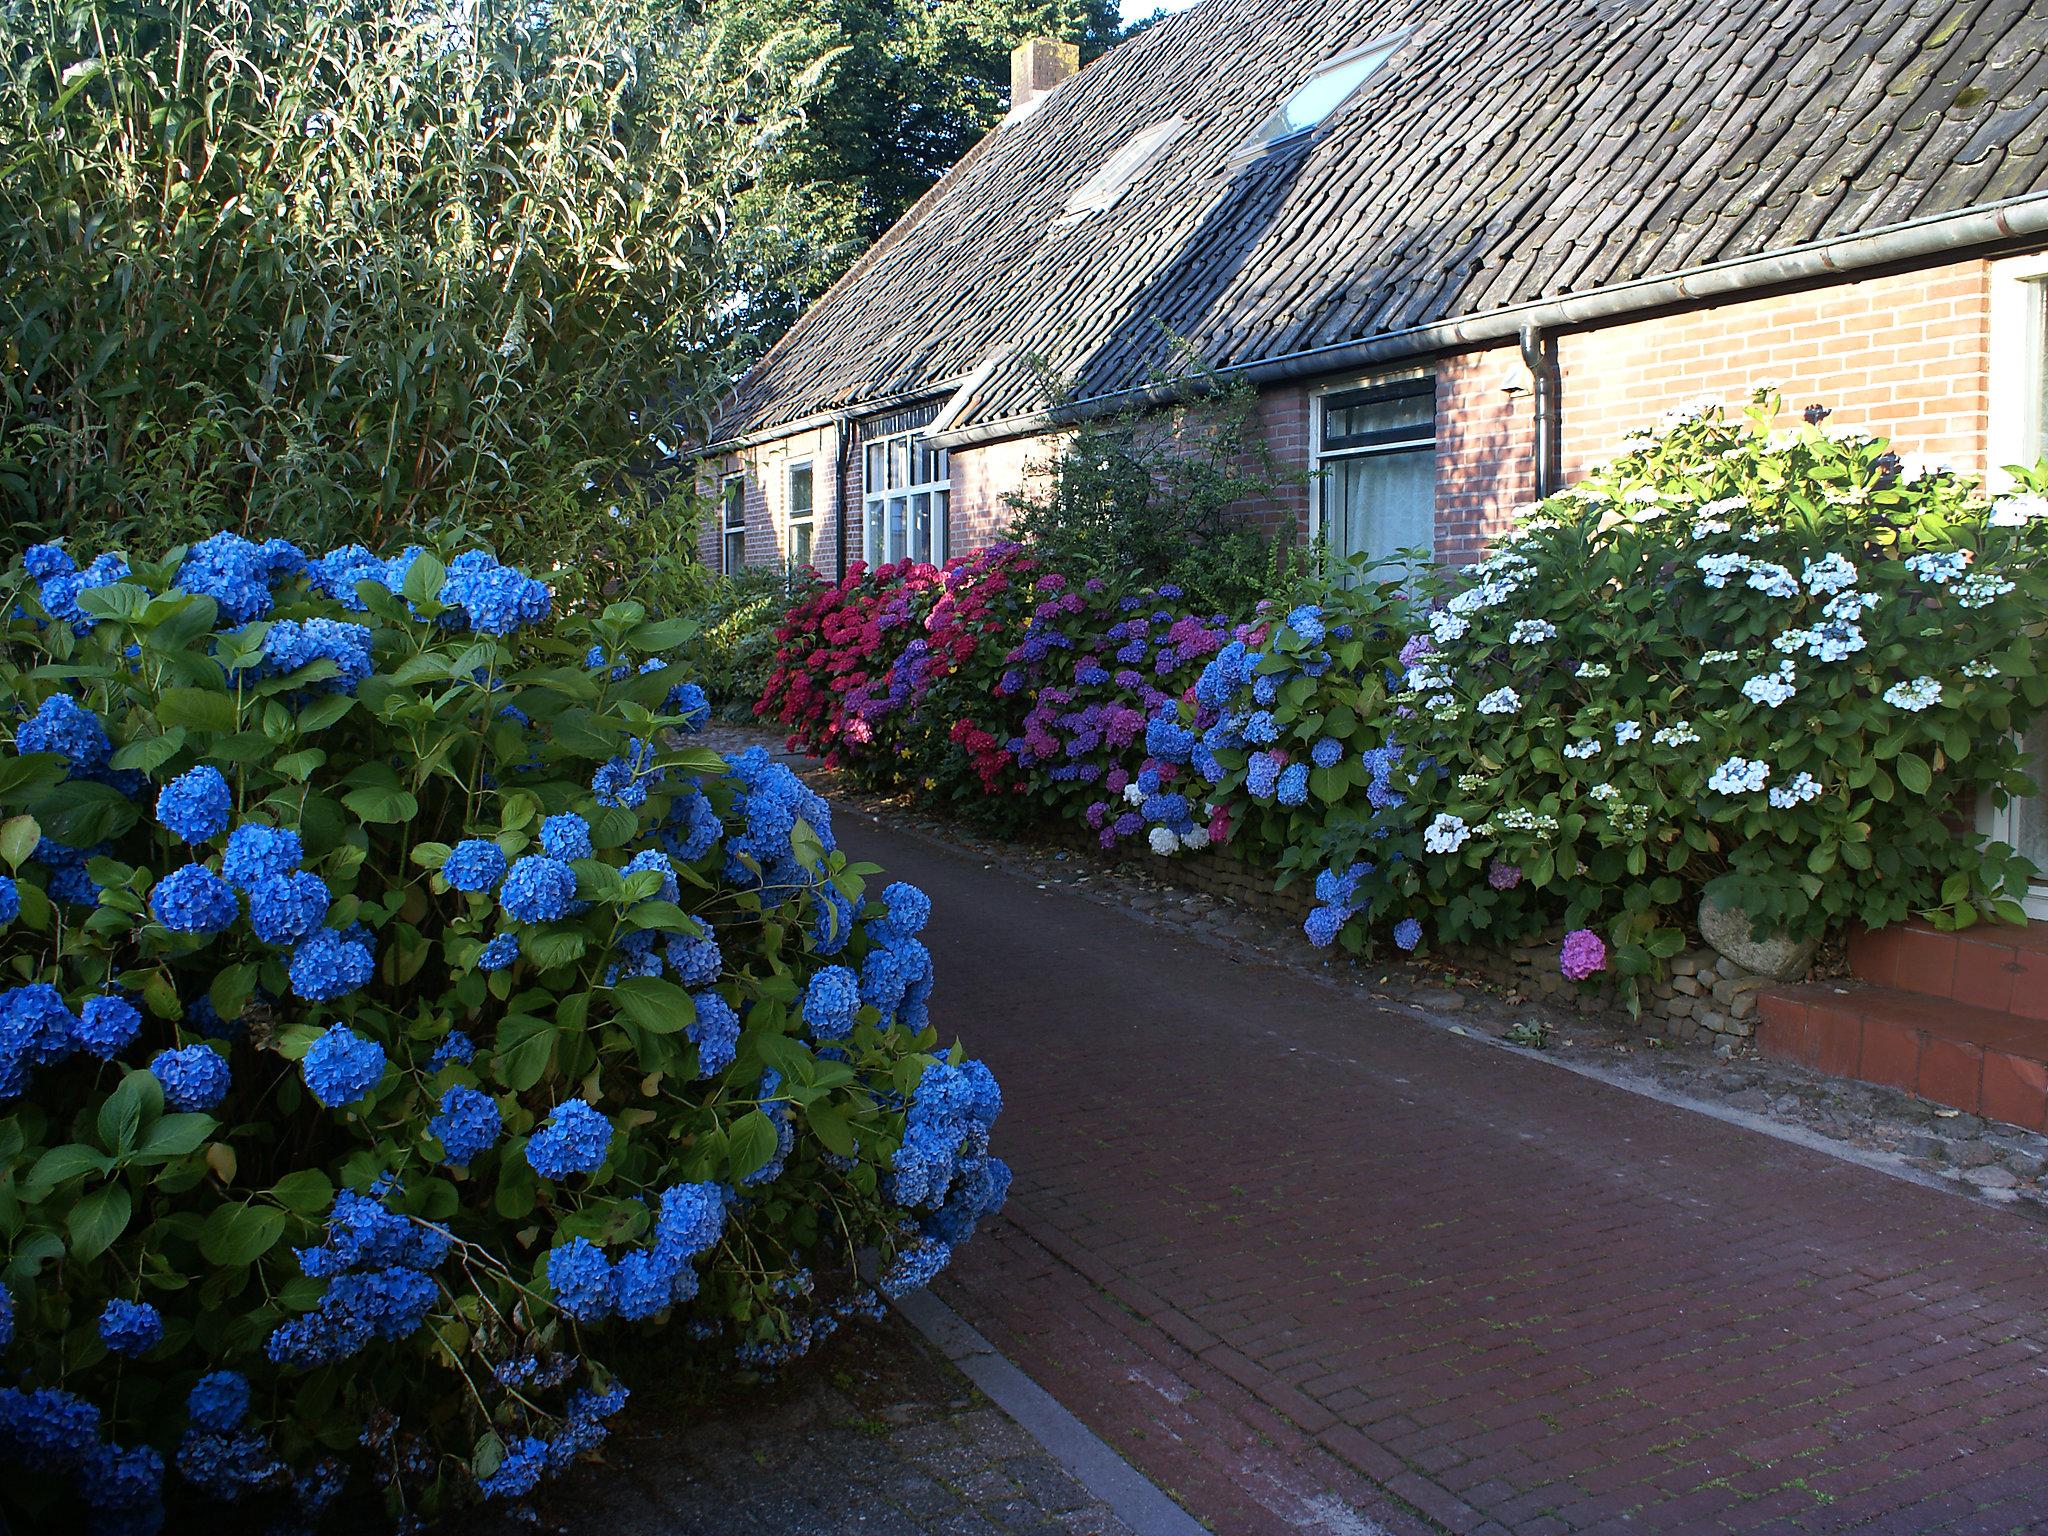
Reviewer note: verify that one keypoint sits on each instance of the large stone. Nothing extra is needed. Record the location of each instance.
(1727, 930)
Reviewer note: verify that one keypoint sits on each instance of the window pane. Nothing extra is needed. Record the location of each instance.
(873, 544)
(799, 545)
(799, 492)
(2030, 812)
(941, 533)
(2039, 446)
(735, 552)
(899, 463)
(1349, 420)
(1381, 503)
(943, 469)
(872, 481)
(736, 503)
(921, 527)
(898, 507)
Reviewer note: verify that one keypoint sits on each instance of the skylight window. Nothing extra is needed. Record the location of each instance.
(1121, 170)
(1323, 93)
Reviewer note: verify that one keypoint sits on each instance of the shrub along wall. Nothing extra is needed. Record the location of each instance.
(1730, 667)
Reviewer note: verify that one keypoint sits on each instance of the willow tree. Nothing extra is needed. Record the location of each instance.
(335, 270)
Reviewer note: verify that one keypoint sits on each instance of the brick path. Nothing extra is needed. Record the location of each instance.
(1313, 1267)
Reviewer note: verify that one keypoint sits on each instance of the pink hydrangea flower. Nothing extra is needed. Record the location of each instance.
(1583, 955)
(1503, 876)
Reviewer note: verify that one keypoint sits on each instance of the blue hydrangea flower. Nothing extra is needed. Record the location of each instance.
(357, 1307)
(219, 1401)
(195, 805)
(499, 953)
(1407, 933)
(622, 783)
(1291, 788)
(914, 1268)
(716, 1033)
(831, 1001)
(194, 1077)
(574, 1139)
(696, 959)
(455, 1046)
(257, 852)
(339, 572)
(538, 889)
(106, 1025)
(285, 908)
(64, 726)
(1307, 622)
(580, 1278)
(237, 574)
(496, 599)
(290, 644)
(10, 899)
(6, 1317)
(475, 864)
(1327, 752)
(566, 837)
(1322, 925)
(328, 964)
(131, 1327)
(653, 861)
(341, 1067)
(468, 1125)
(49, 1429)
(525, 1463)
(691, 702)
(193, 899)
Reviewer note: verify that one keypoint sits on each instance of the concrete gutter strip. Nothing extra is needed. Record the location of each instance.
(1087, 1459)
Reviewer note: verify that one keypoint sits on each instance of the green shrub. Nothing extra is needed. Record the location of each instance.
(399, 1013)
(734, 646)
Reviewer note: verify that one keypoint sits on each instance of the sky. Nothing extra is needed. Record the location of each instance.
(1138, 10)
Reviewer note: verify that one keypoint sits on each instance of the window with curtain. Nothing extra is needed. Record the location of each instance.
(904, 500)
(733, 524)
(1376, 457)
(801, 519)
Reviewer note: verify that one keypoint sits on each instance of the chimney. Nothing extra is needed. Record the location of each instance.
(1035, 68)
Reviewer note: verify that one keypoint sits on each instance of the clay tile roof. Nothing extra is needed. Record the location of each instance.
(1511, 151)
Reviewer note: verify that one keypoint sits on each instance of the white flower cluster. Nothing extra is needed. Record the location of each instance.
(1773, 580)
(1519, 818)
(1982, 590)
(1447, 834)
(1532, 632)
(1772, 688)
(1975, 668)
(1593, 669)
(1716, 569)
(1603, 792)
(1626, 731)
(1828, 575)
(2018, 511)
(1718, 658)
(1429, 677)
(1921, 693)
(1848, 606)
(1940, 567)
(1739, 776)
(1585, 747)
(1798, 792)
(1679, 733)
(1446, 627)
(1502, 701)
(1835, 640)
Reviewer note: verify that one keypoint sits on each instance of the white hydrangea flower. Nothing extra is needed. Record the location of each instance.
(1771, 688)
(1718, 658)
(1739, 776)
(1626, 731)
(1446, 627)
(1976, 668)
(1443, 706)
(1594, 669)
(1716, 569)
(1915, 467)
(1532, 632)
(1583, 748)
(1921, 693)
(1133, 795)
(1982, 590)
(1603, 792)
(1798, 792)
(1502, 701)
(1679, 733)
(1773, 580)
(2018, 511)
(1470, 783)
(1828, 575)
(1851, 605)
(1519, 818)
(1164, 841)
(1447, 834)
(1940, 567)
(1195, 840)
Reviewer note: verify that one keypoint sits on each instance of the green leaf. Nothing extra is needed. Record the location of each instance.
(200, 708)
(1913, 773)
(61, 1163)
(97, 1220)
(176, 1135)
(423, 581)
(152, 752)
(308, 1191)
(551, 947)
(81, 813)
(241, 1234)
(657, 1006)
(750, 1143)
(122, 1113)
(829, 1125)
(374, 803)
(18, 839)
(232, 989)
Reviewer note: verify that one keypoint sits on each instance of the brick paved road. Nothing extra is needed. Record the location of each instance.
(1316, 1268)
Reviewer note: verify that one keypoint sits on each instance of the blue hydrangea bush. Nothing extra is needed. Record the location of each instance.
(1772, 667)
(401, 1013)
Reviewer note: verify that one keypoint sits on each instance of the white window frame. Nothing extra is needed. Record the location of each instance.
(1121, 171)
(2018, 355)
(726, 526)
(1319, 480)
(791, 521)
(1272, 131)
(875, 500)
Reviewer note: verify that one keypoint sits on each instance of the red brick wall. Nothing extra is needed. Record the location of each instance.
(767, 478)
(1485, 449)
(1905, 355)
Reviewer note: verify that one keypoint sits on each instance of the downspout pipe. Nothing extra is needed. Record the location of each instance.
(1539, 356)
(842, 438)
(1950, 235)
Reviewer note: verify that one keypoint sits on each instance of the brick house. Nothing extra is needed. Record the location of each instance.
(1459, 246)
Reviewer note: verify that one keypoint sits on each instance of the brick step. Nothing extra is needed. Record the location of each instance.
(1999, 966)
(1990, 1061)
